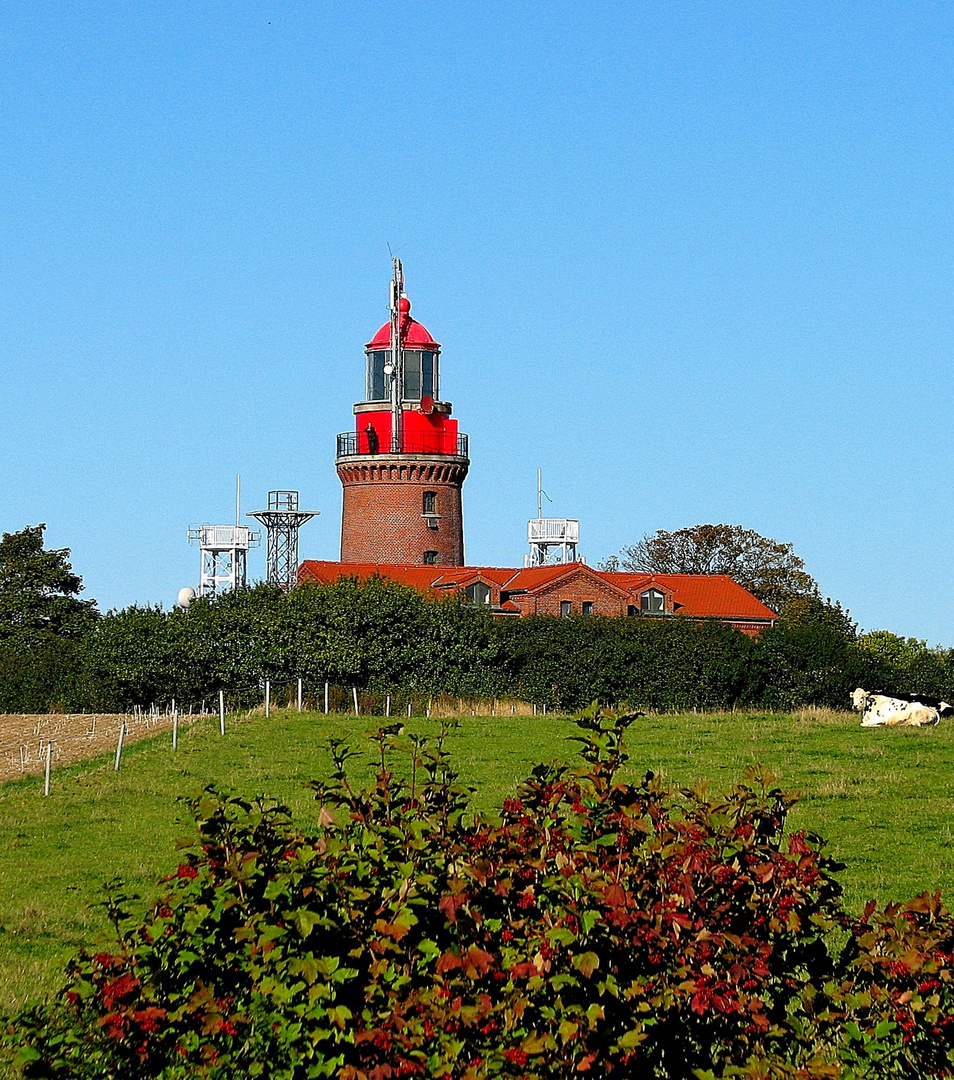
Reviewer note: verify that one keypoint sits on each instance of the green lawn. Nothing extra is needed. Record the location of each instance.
(881, 796)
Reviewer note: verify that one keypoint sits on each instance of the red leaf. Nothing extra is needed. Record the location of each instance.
(448, 962)
(450, 904)
(476, 962)
(615, 896)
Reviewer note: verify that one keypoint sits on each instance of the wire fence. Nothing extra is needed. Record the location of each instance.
(38, 743)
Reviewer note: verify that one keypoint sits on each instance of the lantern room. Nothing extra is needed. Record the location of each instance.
(420, 355)
(424, 421)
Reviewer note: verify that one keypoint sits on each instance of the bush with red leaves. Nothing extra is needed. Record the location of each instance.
(596, 926)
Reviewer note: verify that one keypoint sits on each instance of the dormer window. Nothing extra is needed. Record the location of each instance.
(652, 602)
(478, 594)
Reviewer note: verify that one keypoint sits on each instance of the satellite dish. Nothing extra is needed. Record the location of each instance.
(185, 597)
(427, 404)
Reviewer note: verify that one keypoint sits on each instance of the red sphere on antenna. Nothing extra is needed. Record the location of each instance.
(412, 333)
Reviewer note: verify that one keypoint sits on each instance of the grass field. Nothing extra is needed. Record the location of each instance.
(882, 797)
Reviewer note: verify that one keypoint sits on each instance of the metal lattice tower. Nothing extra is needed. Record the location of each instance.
(223, 550)
(282, 520)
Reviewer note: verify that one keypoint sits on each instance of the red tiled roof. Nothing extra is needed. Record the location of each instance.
(534, 577)
(463, 575)
(703, 596)
(326, 573)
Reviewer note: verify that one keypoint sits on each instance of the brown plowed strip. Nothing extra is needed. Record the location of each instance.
(23, 738)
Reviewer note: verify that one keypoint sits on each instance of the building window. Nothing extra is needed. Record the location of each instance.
(566, 609)
(478, 594)
(587, 607)
(430, 558)
(652, 602)
(430, 502)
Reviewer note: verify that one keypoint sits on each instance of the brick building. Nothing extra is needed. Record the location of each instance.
(568, 589)
(402, 468)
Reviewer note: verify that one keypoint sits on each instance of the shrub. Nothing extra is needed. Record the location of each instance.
(595, 926)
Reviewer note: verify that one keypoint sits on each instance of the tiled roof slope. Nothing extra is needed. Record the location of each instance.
(703, 595)
(713, 596)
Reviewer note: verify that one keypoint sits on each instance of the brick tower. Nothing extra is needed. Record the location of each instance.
(403, 466)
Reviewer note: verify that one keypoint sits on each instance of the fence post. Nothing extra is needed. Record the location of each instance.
(299, 695)
(221, 712)
(49, 765)
(326, 697)
(119, 744)
(354, 692)
(409, 710)
(268, 699)
(387, 705)
(175, 728)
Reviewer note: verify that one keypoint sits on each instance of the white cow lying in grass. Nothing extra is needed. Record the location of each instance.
(905, 710)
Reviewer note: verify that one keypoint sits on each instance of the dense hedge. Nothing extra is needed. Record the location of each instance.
(381, 637)
(596, 927)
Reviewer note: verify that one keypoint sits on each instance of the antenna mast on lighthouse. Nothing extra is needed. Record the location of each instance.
(397, 359)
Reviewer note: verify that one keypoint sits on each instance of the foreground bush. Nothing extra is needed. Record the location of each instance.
(597, 927)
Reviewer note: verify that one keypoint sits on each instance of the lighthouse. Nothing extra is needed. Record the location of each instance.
(403, 465)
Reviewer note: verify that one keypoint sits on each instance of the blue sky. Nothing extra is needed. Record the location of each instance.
(694, 260)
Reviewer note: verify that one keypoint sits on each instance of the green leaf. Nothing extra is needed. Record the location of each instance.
(304, 921)
(586, 963)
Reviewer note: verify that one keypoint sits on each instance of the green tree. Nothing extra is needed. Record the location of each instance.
(39, 592)
(813, 611)
(768, 569)
(910, 666)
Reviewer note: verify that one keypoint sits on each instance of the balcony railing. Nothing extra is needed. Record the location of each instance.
(353, 443)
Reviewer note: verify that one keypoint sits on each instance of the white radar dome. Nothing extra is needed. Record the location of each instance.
(186, 596)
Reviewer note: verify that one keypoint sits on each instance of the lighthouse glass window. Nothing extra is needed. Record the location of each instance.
(379, 385)
(420, 371)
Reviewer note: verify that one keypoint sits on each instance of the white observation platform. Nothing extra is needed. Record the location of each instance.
(552, 540)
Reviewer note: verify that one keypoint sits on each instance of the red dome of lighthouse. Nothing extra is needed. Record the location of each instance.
(413, 333)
